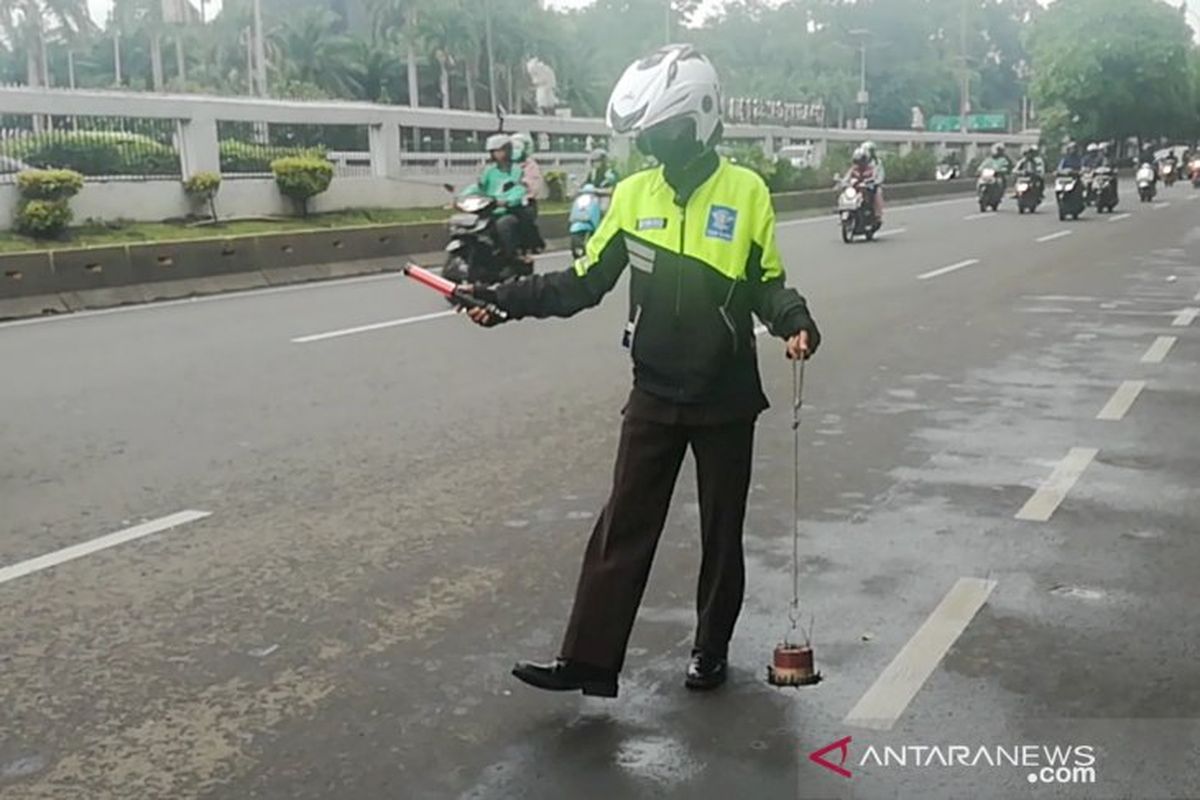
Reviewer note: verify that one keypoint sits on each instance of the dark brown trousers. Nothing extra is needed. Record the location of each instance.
(618, 558)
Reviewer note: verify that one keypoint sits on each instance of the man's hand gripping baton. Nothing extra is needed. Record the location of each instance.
(452, 291)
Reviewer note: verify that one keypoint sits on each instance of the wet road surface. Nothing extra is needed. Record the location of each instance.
(1000, 537)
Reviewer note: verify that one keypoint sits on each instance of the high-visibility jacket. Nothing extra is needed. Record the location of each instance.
(701, 268)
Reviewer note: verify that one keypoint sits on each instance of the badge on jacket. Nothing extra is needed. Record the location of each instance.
(721, 222)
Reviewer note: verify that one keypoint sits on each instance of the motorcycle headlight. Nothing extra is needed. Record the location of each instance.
(988, 173)
(473, 204)
(849, 195)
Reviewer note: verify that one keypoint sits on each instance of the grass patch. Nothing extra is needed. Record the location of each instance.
(119, 233)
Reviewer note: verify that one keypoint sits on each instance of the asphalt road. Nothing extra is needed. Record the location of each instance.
(393, 515)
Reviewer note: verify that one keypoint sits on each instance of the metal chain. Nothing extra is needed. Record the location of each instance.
(797, 404)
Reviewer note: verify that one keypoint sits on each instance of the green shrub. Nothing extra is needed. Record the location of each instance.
(240, 157)
(49, 184)
(302, 178)
(203, 187)
(94, 152)
(43, 219)
(556, 185)
(918, 165)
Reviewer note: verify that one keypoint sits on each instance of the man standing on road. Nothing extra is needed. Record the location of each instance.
(699, 233)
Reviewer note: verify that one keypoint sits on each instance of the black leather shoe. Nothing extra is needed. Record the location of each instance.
(562, 675)
(706, 671)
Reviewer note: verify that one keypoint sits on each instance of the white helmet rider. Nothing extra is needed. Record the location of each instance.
(522, 145)
(498, 141)
(671, 101)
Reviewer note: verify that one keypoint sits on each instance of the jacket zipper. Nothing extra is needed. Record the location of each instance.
(679, 266)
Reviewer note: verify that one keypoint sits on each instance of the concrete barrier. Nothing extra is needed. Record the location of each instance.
(71, 279)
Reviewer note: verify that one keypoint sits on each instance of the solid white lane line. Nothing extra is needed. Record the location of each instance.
(1186, 317)
(889, 696)
(1046, 500)
(1050, 237)
(1197, 297)
(893, 232)
(1121, 401)
(1157, 206)
(980, 215)
(1158, 351)
(376, 326)
(1119, 217)
(945, 270)
(11, 573)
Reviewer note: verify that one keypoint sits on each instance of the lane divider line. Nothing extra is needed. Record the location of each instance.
(883, 704)
(1120, 217)
(946, 270)
(1122, 400)
(1158, 351)
(980, 215)
(1157, 206)
(1050, 237)
(1186, 317)
(893, 232)
(1197, 297)
(1046, 500)
(20, 570)
(375, 326)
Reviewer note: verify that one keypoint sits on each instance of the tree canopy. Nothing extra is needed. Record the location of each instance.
(1098, 68)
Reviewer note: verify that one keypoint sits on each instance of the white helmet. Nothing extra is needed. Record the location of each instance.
(522, 144)
(673, 82)
(497, 141)
(1093, 147)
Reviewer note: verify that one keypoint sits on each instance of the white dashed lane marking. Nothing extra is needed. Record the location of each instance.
(1046, 500)
(1158, 351)
(1121, 401)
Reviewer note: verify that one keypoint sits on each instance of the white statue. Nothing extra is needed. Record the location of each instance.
(545, 82)
(918, 119)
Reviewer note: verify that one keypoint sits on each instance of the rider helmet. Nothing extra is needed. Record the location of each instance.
(862, 157)
(499, 141)
(522, 144)
(671, 101)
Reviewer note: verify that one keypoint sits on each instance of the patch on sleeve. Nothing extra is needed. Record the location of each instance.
(652, 223)
(722, 220)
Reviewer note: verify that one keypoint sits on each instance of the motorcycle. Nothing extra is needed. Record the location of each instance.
(946, 172)
(1028, 193)
(587, 209)
(473, 252)
(1194, 172)
(856, 211)
(1068, 192)
(1104, 189)
(1146, 183)
(1168, 174)
(990, 188)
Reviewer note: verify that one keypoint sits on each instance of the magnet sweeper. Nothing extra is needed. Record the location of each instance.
(792, 663)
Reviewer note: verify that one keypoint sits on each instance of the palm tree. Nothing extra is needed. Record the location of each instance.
(314, 52)
(397, 21)
(35, 23)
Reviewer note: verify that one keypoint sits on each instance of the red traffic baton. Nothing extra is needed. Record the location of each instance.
(451, 291)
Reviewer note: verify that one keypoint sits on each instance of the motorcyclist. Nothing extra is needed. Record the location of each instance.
(535, 188)
(863, 173)
(503, 181)
(1000, 162)
(1071, 160)
(1093, 157)
(1033, 165)
(601, 174)
(880, 175)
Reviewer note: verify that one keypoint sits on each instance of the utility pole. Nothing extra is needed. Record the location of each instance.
(487, 18)
(260, 50)
(864, 97)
